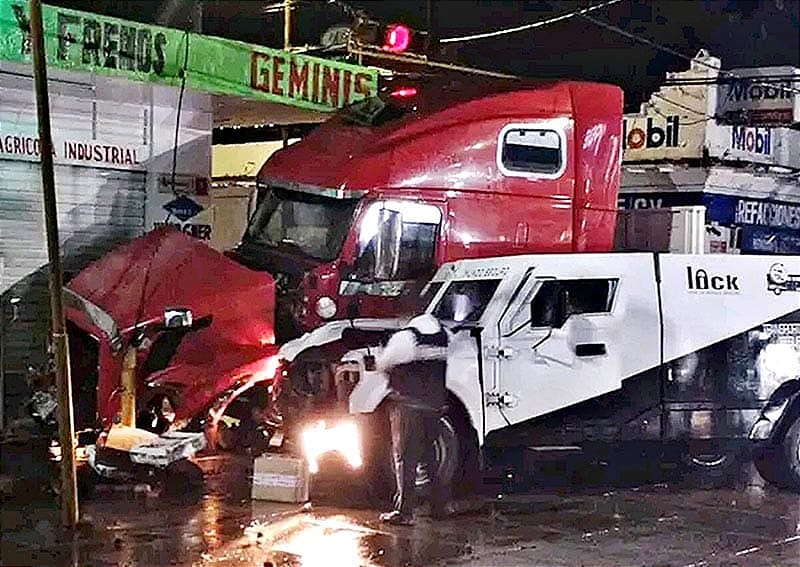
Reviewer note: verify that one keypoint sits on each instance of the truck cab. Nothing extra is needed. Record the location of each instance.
(353, 220)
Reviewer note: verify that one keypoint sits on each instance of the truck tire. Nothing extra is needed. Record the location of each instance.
(457, 461)
(459, 465)
(771, 465)
(780, 465)
(711, 469)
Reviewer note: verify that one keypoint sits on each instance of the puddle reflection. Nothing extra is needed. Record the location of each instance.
(333, 542)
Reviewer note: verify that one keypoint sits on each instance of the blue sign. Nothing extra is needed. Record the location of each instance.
(183, 208)
(760, 240)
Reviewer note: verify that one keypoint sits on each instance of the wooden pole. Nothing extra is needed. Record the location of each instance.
(287, 24)
(69, 492)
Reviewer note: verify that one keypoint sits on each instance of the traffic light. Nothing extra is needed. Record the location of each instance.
(396, 38)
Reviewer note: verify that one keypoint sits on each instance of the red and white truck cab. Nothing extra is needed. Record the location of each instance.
(352, 219)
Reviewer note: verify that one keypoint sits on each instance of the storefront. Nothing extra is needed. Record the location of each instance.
(112, 152)
(133, 107)
(747, 175)
(762, 210)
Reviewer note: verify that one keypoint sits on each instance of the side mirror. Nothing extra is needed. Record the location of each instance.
(14, 302)
(387, 245)
(176, 317)
(550, 310)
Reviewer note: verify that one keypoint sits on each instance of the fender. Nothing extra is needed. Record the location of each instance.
(778, 414)
(462, 381)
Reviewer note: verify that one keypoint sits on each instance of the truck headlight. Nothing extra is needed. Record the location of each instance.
(325, 307)
(342, 438)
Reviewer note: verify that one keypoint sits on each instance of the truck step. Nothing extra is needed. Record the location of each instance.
(554, 448)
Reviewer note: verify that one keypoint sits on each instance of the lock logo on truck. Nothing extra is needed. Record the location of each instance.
(779, 280)
(700, 281)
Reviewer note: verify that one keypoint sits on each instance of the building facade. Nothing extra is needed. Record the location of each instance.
(731, 146)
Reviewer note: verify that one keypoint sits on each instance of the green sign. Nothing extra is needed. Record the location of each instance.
(80, 41)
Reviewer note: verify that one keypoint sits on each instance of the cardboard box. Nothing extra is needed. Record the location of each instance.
(280, 478)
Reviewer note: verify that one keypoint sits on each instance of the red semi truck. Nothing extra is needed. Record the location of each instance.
(352, 221)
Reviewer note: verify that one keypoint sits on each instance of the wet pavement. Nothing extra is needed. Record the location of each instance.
(649, 522)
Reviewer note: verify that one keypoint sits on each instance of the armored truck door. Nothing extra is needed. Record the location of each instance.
(575, 330)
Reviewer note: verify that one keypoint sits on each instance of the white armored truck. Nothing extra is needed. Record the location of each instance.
(692, 353)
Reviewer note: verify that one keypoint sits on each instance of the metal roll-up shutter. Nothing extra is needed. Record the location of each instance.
(98, 209)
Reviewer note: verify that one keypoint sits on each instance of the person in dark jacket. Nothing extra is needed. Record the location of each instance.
(414, 360)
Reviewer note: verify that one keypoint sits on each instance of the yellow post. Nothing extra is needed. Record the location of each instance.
(128, 383)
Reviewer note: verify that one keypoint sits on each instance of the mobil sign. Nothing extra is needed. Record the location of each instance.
(754, 144)
(751, 140)
(761, 96)
(659, 136)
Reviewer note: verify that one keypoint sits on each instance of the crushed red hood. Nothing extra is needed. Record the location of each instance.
(166, 268)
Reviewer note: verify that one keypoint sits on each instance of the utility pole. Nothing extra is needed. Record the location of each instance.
(197, 17)
(69, 492)
(287, 24)
(429, 21)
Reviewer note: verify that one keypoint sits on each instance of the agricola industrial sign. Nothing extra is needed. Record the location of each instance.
(82, 41)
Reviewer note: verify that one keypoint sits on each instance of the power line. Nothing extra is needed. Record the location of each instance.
(531, 26)
(678, 54)
(707, 117)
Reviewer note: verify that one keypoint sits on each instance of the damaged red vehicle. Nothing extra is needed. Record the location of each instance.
(186, 374)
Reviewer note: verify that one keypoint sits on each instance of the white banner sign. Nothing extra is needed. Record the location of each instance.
(74, 152)
(755, 144)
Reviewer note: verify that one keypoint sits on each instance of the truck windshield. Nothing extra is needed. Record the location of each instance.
(314, 224)
(465, 301)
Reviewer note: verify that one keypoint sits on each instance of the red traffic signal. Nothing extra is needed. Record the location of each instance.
(397, 38)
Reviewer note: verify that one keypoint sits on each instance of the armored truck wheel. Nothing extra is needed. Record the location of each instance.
(780, 464)
(455, 457)
(772, 467)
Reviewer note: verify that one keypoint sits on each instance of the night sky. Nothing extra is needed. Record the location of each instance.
(742, 33)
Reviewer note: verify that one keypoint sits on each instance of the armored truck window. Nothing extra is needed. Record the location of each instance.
(429, 291)
(529, 150)
(559, 299)
(465, 301)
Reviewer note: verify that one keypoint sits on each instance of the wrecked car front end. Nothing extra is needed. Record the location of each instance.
(185, 376)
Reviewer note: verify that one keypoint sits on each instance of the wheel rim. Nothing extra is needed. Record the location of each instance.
(709, 461)
(798, 449)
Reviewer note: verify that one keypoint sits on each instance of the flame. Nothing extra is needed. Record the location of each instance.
(343, 438)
